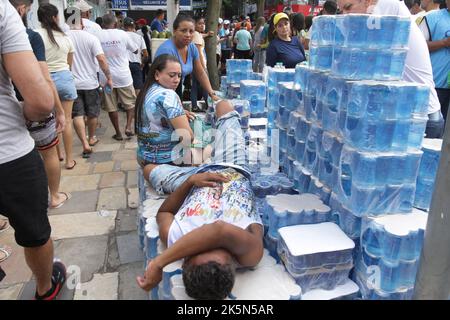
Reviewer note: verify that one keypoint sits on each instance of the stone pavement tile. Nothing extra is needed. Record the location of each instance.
(101, 131)
(79, 170)
(112, 199)
(131, 145)
(112, 260)
(132, 179)
(124, 155)
(100, 157)
(107, 147)
(112, 179)
(79, 225)
(128, 165)
(29, 290)
(133, 198)
(103, 167)
(128, 289)
(15, 266)
(79, 183)
(101, 287)
(86, 255)
(11, 292)
(82, 201)
(126, 221)
(128, 248)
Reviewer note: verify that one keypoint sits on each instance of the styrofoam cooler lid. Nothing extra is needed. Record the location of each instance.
(432, 144)
(315, 238)
(253, 83)
(297, 203)
(267, 281)
(346, 289)
(257, 122)
(151, 207)
(403, 224)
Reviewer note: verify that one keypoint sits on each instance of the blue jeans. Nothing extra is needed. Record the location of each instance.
(435, 126)
(228, 150)
(195, 90)
(65, 85)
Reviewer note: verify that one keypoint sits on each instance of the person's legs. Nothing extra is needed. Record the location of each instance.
(53, 170)
(194, 93)
(229, 142)
(435, 126)
(40, 261)
(444, 100)
(78, 114)
(25, 203)
(67, 134)
(109, 103)
(92, 111)
(127, 97)
(166, 178)
(92, 126)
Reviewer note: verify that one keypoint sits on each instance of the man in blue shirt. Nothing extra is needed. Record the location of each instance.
(436, 28)
(157, 22)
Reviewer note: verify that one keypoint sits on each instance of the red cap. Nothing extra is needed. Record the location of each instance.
(141, 21)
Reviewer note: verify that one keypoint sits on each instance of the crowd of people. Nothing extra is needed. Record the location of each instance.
(64, 74)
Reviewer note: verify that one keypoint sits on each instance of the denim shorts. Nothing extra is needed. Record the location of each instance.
(65, 84)
(228, 150)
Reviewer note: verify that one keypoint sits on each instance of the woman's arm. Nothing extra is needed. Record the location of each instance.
(182, 127)
(70, 59)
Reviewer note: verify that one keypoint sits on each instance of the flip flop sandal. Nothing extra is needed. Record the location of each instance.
(96, 141)
(4, 226)
(129, 134)
(87, 154)
(74, 164)
(4, 254)
(118, 138)
(68, 197)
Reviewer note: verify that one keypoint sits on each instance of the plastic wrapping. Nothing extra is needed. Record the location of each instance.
(396, 237)
(329, 157)
(427, 173)
(347, 291)
(238, 70)
(368, 64)
(321, 57)
(347, 221)
(386, 116)
(371, 31)
(233, 91)
(314, 92)
(377, 183)
(318, 256)
(289, 210)
(254, 91)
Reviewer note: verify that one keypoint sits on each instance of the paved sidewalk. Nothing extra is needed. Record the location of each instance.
(100, 248)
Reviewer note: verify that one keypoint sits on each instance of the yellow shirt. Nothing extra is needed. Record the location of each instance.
(57, 56)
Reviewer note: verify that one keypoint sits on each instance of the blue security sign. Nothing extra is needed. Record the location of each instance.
(157, 4)
(120, 4)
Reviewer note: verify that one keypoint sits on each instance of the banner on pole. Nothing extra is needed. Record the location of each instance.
(151, 5)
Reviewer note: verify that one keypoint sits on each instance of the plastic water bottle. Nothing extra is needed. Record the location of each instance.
(108, 89)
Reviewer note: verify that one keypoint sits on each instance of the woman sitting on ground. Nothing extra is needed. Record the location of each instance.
(160, 117)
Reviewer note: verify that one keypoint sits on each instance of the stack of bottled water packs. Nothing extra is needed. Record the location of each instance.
(389, 258)
(318, 256)
(360, 46)
(427, 173)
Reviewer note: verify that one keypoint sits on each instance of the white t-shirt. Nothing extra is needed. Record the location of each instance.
(57, 56)
(418, 63)
(90, 26)
(199, 41)
(140, 43)
(15, 141)
(116, 44)
(84, 67)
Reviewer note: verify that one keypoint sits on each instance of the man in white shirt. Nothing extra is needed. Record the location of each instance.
(24, 190)
(418, 64)
(136, 60)
(116, 44)
(85, 10)
(84, 68)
